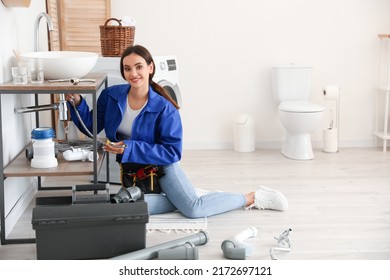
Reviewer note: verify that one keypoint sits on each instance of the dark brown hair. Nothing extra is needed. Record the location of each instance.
(145, 54)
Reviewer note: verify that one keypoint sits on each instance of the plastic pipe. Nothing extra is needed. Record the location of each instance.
(78, 154)
(152, 252)
(235, 248)
(187, 251)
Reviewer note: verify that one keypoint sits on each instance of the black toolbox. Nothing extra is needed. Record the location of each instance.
(88, 228)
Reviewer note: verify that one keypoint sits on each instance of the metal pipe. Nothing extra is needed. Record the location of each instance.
(63, 108)
(73, 81)
(152, 252)
(37, 108)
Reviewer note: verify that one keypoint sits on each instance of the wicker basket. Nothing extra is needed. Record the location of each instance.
(115, 39)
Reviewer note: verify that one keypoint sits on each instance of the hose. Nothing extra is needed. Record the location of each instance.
(79, 118)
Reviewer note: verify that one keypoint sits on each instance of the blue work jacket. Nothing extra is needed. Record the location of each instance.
(156, 134)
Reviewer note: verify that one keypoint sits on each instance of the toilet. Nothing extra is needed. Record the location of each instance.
(299, 116)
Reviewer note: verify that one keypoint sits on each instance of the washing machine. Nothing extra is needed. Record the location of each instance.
(166, 75)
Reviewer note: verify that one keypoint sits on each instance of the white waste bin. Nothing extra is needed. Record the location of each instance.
(244, 134)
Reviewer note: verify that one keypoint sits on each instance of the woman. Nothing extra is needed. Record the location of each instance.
(143, 123)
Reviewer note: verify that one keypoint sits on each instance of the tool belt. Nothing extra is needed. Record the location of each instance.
(146, 177)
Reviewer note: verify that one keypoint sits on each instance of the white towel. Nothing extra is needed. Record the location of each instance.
(175, 222)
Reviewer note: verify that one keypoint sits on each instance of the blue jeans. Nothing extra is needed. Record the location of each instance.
(179, 194)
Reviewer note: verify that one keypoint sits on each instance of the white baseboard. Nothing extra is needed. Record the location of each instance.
(317, 144)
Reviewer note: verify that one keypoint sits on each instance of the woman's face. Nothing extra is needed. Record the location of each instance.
(136, 70)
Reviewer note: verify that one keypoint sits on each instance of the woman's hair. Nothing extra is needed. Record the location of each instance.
(145, 54)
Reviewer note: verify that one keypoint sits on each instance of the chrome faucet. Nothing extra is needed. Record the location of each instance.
(62, 107)
(36, 28)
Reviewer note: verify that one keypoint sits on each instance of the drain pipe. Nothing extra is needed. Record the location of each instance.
(152, 252)
(235, 248)
(187, 251)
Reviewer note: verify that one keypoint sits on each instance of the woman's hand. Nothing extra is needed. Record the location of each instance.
(114, 147)
(74, 98)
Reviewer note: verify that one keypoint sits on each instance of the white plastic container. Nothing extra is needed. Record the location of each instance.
(244, 134)
(43, 147)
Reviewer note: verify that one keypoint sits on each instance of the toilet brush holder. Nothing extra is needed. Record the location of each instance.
(331, 134)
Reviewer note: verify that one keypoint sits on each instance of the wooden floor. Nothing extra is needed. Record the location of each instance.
(339, 204)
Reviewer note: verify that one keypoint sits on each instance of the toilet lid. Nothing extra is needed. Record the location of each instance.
(301, 107)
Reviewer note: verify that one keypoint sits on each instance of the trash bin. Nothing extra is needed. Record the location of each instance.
(244, 134)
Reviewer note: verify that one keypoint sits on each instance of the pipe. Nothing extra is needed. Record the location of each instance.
(62, 108)
(200, 238)
(230, 251)
(37, 108)
(187, 251)
(78, 154)
(127, 195)
(73, 81)
(235, 248)
(76, 81)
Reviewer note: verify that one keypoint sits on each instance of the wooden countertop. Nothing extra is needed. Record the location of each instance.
(59, 87)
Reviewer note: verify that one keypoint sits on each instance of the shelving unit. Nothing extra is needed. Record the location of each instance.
(20, 167)
(382, 132)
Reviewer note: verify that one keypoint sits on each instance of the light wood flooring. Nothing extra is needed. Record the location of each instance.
(339, 204)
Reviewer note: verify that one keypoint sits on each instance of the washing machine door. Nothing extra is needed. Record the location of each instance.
(173, 91)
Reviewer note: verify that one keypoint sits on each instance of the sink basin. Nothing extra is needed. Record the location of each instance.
(63, 64)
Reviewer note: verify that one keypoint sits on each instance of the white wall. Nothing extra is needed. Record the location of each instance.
(226, 49)
(16, 32)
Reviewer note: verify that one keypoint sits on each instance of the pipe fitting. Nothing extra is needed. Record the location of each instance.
(284, 244)
(78, 154)
(235, 248)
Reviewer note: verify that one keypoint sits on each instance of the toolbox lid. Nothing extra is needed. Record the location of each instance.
(68, 214)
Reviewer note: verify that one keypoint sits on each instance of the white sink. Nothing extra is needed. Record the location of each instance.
(63, 64)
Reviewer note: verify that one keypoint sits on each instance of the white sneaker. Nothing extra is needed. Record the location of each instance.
(266, 198)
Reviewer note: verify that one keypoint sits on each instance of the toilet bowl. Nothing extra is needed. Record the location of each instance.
(299, 116)
(300, 119)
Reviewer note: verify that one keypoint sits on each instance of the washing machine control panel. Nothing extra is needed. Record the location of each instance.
(168, 65)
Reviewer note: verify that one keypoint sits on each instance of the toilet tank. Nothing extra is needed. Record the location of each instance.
(291, 82)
